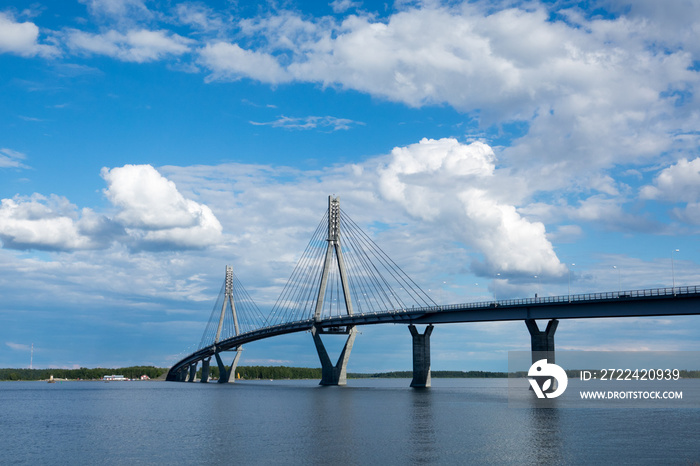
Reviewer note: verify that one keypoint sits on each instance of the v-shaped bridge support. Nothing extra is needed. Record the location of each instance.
(333, 374)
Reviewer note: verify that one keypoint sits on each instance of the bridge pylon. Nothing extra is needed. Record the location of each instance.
(224, 374)
(333, 374)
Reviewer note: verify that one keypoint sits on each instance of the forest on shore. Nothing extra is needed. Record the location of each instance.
(242, 372)
(133, 372)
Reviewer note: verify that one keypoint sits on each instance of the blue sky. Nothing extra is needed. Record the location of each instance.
(486, 146)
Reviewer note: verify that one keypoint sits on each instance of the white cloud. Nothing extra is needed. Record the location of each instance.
(137, 45)
(310, 122)
(341, 6)
(17, 346)
(447, 62)
(566, 234)
(150, 214)
(436, 199)
(51, 223)
(451, 185)
(609, 213)
(155, 213)
(22, 38)
(671, 24)
(200, 16)
(678, 183)
(231, 62)
(119, 9)
(590, 93)
(11, 159)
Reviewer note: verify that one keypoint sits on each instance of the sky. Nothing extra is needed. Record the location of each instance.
(493, 149)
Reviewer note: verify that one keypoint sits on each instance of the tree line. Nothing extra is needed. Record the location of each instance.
(267, 372)
(133, 372)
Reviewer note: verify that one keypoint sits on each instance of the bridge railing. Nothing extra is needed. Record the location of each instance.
(646, 293)
(563, 299)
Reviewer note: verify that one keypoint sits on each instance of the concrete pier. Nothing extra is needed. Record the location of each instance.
(223, 373)
(542, 343)
(421, 356)
(205, 370)
(333, 374)
(228, 376)
(193, 372)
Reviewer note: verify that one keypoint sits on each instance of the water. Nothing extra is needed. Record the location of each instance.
(458, 421)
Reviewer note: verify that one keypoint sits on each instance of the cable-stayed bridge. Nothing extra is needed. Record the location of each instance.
(344, 279)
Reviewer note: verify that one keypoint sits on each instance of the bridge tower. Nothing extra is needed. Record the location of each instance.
(333, 374)
(224, 374)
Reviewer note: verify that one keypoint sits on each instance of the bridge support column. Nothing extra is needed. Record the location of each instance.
(421, 356)
(225, 375)
(234, 364)
(542, 342)
(193, 372)
(330, 374)
(205, 370)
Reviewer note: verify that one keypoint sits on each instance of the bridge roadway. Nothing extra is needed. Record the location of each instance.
(637, 303)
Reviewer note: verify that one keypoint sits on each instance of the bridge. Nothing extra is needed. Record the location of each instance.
(344, 280)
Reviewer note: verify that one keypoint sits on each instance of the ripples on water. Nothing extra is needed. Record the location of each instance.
(458, 421)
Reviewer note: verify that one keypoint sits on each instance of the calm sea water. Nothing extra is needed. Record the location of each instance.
(458, 421)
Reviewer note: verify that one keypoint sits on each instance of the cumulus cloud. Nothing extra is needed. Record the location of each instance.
(678, 183)
(53, 224)
(590, 93)
(22, 38)
(231, 62)
(137, 45)
(423, 203)
(150, 214)
(450, 185)
(154, 212)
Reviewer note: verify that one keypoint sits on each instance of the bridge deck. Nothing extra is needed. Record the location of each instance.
(635, 303)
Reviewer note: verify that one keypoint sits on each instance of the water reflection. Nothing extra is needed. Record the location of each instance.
(545, 445)
(332, 420)
(422, 430)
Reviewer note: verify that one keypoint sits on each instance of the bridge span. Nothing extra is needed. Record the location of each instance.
(634, 303)
(360, 287)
